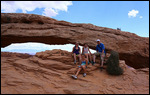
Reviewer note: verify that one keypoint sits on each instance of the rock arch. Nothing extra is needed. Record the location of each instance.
(19, 28)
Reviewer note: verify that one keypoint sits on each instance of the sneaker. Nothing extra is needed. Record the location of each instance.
(84, 74)
(73, 76)
(101, 68)
(88, 62)
(93, 63)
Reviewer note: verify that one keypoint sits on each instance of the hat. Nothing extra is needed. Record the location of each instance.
(98, 40)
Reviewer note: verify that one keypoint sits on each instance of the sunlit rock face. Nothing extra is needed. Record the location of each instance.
(49, 72)
(19, 28)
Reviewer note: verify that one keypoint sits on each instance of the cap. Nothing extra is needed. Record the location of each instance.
(98, 40)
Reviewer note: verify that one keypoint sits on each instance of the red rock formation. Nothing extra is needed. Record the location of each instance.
(19, 28)
(13, 55)
(50, 72)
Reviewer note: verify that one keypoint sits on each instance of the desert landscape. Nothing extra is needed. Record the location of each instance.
(49, 72)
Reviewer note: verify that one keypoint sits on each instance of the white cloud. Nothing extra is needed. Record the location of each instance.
(141, 16)
(49, 12)
(133, 13)
(51, 8)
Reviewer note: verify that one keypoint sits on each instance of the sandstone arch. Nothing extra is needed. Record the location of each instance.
(19, 28)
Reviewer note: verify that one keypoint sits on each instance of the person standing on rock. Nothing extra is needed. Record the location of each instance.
(100, 48)
(76, 51)
(83, 65)
(85, 51)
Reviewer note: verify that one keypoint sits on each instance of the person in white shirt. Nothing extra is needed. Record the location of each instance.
(86, 51)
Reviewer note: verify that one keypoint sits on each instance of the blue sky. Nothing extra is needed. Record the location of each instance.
(130, 16)
(111, 14)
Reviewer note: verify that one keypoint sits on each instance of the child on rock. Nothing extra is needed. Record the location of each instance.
(84, 63)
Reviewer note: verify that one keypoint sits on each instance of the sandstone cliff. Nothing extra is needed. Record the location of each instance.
(49, 72)
(19, 28)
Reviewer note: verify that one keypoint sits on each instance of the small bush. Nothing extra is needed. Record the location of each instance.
(6, 19)
(113, 64)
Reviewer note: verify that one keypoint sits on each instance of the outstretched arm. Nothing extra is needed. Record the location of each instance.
(103, 50)
(103, 53)
(89, 51)
(82, 50)
(86, 62)
(72, 50)
(96, 48)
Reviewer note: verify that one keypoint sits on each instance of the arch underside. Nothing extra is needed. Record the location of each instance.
(7, 40)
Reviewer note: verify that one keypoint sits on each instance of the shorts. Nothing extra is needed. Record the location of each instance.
(85, 53)
(99, 54)
(83, 64)
(76, 54)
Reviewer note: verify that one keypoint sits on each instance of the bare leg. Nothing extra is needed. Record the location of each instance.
(78, 71)
(74, 55)
(79, 58)
(90, 57)
(84, 68)
(87, 56)
(102, 60)
(102, 63)
(94, 58)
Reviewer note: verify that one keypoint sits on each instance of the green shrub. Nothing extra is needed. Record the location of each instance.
(113, 64)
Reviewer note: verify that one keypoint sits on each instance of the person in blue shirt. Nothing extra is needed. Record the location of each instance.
(100, 48)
